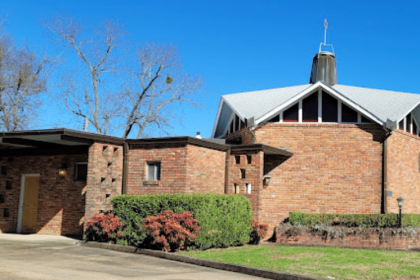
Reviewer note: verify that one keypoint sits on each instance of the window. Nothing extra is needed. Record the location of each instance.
(236, 188)
(401, 124)
(310, 108)
(365, 120)
(248, 188)
(242, 124)
(153, 171)
(274, 119)
(414, 128)
(8, 184)
(291, 114)
(407, 123)
(81, 171)
(238, 159)
(243, 173)
(348, 114)
(231, 126)
(236, 123)
(249, 159)
(329, 108)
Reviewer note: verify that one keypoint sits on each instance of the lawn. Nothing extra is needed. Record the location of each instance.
(321, 262)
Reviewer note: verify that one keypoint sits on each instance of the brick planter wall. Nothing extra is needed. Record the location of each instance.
(344, 237)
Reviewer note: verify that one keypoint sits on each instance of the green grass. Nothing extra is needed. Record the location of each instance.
(321, 262)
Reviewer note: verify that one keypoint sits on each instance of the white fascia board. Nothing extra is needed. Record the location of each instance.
(222, 101)
(347, 101)
(405, 114)
(217, 116)
(287, 103)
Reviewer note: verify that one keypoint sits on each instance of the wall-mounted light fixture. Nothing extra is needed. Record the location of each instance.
(267, 179)
(400, 205)
(62, 170)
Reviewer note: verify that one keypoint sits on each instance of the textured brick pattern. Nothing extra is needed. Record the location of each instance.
(104, 179)
(403, 171)
(173, 163)
(184, 169)
(205, 170)
(61, 203)
(253, 176)
(335, 168)
(353, 238)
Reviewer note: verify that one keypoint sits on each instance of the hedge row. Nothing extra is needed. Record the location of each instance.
(354, 220)
(224, 220)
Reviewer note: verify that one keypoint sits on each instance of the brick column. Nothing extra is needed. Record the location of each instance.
(104, 178)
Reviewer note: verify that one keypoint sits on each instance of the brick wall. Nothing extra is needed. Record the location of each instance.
(403, 171)
(367, 238)
(335, 168)
(184, 169)
(61, 203)
(104, 179)
(173, 161)
(253, 176)
(205, 170)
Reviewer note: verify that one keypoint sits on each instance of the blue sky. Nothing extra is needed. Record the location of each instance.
(246, 45)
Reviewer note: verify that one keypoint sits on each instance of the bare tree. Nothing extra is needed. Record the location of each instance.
(84, 85)
(142, 98)
(23, 76)
(155, 89)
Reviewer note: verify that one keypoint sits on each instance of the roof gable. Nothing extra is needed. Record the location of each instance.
(378, 105)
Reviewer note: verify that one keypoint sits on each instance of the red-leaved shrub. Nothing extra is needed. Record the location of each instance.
(259, 231)
(104, 228)
(171, 231)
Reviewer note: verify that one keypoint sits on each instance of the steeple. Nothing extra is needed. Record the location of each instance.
(324, 67)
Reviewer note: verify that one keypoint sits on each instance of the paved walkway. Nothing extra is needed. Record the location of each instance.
(57, 257)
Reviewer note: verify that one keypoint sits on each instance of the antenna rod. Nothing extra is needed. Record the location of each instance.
(325, 33)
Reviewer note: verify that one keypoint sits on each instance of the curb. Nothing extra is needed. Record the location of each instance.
(264, 273)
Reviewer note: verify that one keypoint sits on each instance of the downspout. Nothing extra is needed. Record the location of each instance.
(384, 170)
(126, 150)
(227, 168)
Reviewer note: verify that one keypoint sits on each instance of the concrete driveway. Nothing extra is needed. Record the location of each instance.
(57, 257)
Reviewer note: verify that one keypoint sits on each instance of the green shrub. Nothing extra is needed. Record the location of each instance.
(354, 220)
(224, 220)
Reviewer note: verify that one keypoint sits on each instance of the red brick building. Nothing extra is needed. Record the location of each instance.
(320, 147)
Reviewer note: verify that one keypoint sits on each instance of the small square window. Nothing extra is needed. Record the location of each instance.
(236, 188)
(8, 184)
(81, 172)
(248, 188)
(243, 173)
(249, 159)
(238, 159)
(6, 213)
(153, 171)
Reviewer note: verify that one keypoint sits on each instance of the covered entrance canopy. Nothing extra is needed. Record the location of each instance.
(50, 142)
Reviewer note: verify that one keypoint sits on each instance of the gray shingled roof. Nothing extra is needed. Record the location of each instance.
(383, 104)
(258, 103)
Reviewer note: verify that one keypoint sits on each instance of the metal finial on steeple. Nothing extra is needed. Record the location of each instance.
(325, 33)
(325, 37)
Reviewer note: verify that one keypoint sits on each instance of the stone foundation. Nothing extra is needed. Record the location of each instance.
(344, 237)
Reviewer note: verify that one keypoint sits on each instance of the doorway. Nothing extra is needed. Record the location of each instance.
(28, 203)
